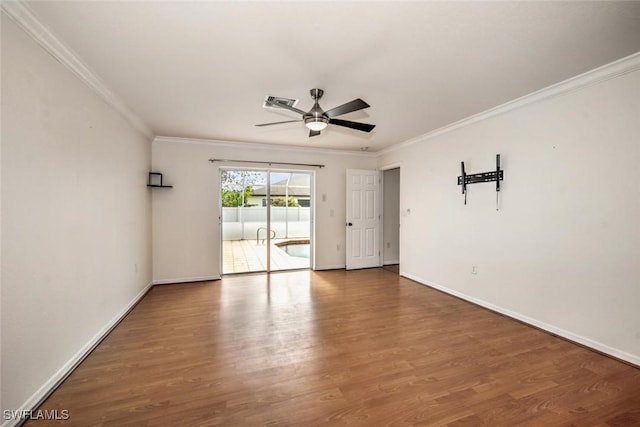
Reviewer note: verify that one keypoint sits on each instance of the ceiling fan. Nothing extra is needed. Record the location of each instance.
(317, 119)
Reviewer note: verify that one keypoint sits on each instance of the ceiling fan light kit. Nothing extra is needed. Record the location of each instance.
(316, 123)
(317, 119)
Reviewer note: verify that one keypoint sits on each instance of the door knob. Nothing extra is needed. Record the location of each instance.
(349, 224)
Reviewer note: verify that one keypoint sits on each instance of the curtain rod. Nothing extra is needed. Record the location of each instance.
(266, 163)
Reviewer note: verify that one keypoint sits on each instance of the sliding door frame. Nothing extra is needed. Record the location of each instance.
(312, 210)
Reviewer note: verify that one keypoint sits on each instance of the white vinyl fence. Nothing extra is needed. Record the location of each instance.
(288, 222)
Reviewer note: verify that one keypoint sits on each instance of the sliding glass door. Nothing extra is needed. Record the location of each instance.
(244, 221)
(266, 220)
(290, 220)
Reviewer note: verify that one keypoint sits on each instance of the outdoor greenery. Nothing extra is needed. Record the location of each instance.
(280, 201)
(238, 188)
(233, 199)
(237, 180)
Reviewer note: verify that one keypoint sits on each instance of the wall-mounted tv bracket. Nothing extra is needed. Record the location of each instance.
(497, 176)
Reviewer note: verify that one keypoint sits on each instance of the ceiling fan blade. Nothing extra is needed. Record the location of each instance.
(364, 127)
(355, 105)
(278, 123)
(288, 107)
(313, 133)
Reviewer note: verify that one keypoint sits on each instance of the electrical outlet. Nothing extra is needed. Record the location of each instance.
(135, 268)
(474, 269)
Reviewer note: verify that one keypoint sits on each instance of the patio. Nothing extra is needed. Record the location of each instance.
(244, 256)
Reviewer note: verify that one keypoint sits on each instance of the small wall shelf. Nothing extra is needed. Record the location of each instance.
(155, 182)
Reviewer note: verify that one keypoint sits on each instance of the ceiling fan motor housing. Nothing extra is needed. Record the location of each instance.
(316, 119)
(316, 112)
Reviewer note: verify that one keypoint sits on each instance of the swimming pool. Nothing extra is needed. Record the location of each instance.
(296, 248)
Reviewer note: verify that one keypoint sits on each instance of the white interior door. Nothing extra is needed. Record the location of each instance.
(363, 219)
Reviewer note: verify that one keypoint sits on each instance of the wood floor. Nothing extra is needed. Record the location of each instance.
(362, 348)
(394, 268)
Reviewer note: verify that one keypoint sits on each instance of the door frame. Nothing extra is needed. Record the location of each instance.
(396, 165)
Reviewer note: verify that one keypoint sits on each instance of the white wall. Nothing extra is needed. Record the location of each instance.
(564, 250)
(75, 220)
(186, 235)
(391, 216)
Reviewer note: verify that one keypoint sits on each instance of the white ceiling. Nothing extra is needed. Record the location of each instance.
(202, 69)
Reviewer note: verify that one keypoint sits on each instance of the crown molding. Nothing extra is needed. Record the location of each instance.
(21, 14)
(259, 146)
(618, 68)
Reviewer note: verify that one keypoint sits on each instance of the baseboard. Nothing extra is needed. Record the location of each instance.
(331, 267)
(48, 387)
(391, 262)
(587, 342)
(185, 280)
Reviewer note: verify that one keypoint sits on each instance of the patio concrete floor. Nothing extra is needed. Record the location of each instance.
(245, 256)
